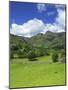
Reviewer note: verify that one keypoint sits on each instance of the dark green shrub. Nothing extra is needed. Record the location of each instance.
(55, 57)
(43, 51)
(32, 56)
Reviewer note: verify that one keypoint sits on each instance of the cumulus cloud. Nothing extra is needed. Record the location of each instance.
(59, 24)
(60, 19)
(33, 27)
(53, 28)
(28, 29)
(41, 7)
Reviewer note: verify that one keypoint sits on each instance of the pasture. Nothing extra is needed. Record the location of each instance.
(44, 72)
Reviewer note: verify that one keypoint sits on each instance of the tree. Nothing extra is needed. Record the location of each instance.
(55, 57)
(43, 51)
(32, 56)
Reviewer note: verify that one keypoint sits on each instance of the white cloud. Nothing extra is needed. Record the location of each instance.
(60, 19)
(59, 24)
(33, 27)
(28, 29)
(41, 7)
(53, 28)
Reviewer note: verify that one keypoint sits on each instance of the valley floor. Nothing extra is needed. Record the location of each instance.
(36, 74)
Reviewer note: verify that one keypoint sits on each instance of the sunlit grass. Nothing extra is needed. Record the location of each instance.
(37, 74)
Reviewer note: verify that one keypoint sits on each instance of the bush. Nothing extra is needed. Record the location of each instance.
(55, 57)
(43, 51)
(32, 56)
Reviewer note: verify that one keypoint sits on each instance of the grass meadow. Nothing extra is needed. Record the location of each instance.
(44, 72)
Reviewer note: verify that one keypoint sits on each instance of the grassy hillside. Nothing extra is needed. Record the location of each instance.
(49, 40)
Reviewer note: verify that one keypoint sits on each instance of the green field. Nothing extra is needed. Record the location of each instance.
(24, 73)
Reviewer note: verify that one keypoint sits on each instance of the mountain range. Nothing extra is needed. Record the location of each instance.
(49, 40)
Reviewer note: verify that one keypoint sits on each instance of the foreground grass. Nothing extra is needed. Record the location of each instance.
(30, 75)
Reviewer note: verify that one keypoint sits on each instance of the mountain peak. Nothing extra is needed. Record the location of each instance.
(48, 32)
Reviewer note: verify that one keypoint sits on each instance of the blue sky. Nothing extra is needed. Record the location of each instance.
(29, 19)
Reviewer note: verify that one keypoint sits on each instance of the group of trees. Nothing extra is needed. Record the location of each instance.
(30, 52)
(55, 56)
(59, 56)
(32, 56)
(27, 51)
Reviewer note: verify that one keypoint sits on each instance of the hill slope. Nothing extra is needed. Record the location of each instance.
(48, 40)
(39, 43)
